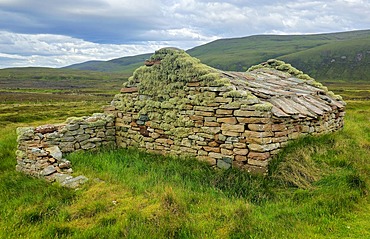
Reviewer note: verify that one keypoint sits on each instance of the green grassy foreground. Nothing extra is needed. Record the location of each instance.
(318, 187)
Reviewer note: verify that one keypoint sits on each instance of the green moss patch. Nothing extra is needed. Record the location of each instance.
(176, 69)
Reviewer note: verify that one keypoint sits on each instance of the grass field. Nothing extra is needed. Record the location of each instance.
(28, 84)
(132, 194)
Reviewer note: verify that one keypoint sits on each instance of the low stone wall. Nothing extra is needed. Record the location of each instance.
(228, 132)
(40, 149)
(224, 134)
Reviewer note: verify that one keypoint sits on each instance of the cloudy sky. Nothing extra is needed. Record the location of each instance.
(57, 33)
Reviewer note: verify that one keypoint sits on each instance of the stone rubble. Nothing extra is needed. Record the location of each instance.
(40, 150)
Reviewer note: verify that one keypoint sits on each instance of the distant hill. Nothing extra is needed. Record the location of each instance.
(347, 60)
(122, 65)
(332, 56)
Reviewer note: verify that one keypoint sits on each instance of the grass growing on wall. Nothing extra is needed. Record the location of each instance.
(132, 194)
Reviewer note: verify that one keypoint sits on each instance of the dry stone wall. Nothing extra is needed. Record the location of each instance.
(176, 105)
(41, 149)
(227, 132)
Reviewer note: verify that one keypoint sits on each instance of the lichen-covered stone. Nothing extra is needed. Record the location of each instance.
(232, 127)
(25, 133)
(48, 170)
(223, 165)
(263, 147)
(74, 182)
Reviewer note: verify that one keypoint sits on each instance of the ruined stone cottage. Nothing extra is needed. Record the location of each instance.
(176, 105)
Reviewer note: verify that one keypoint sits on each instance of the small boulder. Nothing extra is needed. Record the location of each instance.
(74, 182)
(61, 177)
(55, 152)
(43, 129)
(48, 170)
(65, 164)
(223, 165)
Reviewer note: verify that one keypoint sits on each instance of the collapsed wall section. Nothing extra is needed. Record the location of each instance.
(41, 149)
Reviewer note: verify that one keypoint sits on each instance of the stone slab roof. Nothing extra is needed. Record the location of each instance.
(289, 96)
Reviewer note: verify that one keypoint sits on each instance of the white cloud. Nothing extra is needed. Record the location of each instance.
(242, 18)
(57, 50)
(56, 33)
(182, 34)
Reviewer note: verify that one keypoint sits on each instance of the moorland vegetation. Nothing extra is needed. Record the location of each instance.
(317, 187)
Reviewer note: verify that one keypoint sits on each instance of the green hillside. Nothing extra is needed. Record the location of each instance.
(125, 65)
(241, 53)
(334, 56)
(314, 54)
(343, 60)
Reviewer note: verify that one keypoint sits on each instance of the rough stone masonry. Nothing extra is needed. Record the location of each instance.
(176, 105)
(40, 150)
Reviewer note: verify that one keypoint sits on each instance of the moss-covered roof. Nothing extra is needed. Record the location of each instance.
(273, 85)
